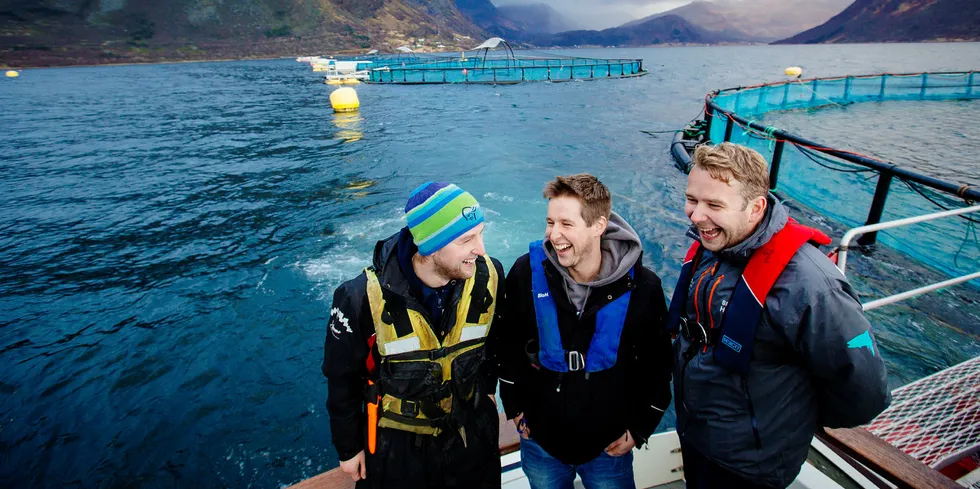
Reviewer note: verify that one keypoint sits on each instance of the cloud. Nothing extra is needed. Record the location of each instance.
(602, 14)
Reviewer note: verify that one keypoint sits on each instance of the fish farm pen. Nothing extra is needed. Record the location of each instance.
(850, 187)
(504, 66)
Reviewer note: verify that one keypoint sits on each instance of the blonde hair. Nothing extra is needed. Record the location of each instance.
(728, 161)
(594, 196)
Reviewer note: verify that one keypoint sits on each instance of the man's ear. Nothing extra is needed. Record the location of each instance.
(759, 206)
(599, 226)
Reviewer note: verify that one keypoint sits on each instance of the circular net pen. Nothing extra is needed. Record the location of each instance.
(850, 187)
(504, 66)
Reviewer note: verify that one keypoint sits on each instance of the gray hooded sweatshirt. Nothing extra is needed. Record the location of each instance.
(620, 247)
(803, 373)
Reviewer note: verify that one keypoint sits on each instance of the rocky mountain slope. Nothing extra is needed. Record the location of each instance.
(898, 21)
(755, 20)
(67, 32)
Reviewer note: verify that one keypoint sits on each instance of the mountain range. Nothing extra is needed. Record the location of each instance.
(67, 32)
(757, 20)
(898, 21)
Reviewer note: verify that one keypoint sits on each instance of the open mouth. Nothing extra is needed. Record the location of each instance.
(562, 249)
(709, 233)
(470, 262)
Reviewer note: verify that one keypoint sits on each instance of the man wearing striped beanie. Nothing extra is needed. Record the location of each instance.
(413, 332)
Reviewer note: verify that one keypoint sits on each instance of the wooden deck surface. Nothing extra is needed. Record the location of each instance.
(885, 460)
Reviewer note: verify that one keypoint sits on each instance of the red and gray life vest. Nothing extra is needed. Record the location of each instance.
(736, 333)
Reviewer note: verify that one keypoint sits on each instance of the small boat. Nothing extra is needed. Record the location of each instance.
(342, 70)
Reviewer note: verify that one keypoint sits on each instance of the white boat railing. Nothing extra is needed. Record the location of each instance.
(853, 233)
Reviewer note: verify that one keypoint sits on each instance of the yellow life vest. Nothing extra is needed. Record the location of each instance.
(422, 380)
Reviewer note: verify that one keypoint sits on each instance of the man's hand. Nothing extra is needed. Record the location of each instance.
(621, 446)
(355, 467)
(522, 428)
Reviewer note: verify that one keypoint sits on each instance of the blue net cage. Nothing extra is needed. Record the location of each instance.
(499, 64)
(842, 185)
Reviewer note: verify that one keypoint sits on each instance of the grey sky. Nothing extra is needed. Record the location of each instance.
(600, 14)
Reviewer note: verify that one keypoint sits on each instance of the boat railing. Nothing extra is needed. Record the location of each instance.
(862, 230)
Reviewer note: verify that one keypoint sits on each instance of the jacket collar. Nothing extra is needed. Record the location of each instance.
(386, 265)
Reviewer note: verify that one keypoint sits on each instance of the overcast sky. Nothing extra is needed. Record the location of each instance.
(600, 14)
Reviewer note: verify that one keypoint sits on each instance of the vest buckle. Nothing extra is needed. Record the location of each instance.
(410, 408)
(576, 361)
(695, 332)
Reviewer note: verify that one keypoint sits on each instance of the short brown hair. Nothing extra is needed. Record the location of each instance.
(595, 197)
(726, 161)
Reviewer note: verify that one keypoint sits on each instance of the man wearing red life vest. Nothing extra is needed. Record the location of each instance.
(772, 343)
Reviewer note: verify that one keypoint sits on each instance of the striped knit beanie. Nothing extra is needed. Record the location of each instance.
(438, 213)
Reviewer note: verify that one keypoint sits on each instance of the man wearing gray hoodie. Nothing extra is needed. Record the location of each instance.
(772, 341)
(584, 358)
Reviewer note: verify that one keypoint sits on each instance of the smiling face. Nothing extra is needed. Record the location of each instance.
(722, 215)
(575, 242)
(457, 260)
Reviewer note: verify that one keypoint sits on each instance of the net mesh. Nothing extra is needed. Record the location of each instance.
(936, 419)
(845, 193)
(803, 94)
(505, 70)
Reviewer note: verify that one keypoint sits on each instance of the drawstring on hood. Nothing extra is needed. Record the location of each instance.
(620, 247)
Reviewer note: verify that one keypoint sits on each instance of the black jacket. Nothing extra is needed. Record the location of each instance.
(346, 345)
(574, 416)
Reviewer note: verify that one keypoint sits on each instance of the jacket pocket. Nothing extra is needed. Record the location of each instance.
(411, 379)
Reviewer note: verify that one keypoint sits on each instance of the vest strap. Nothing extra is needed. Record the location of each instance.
(734, 338)
(481, 297)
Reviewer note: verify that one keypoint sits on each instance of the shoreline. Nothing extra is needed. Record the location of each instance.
(7, 66)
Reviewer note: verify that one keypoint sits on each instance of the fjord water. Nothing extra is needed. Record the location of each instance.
(171, 235)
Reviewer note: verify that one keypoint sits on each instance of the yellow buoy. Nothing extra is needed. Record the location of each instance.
(333, 81)
(12, 74)
(351, 81)
(344, 100)
(794, 71)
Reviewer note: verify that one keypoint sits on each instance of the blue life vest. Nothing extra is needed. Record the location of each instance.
(744, 310)
(604, 347)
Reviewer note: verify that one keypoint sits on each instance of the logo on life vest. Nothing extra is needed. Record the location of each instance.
(734, 345)
(542, 295)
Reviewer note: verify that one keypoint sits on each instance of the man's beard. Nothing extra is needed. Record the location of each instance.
(448, 270)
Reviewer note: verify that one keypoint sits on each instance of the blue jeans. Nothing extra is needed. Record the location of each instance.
(603, 472)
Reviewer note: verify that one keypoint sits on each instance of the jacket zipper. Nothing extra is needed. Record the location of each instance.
(687, 360)
(755, 423)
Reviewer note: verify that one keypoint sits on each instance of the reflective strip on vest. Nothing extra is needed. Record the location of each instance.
(403, 346)
(474, 332)
(604, 348)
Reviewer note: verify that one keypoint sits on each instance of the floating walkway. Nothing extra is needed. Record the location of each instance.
(848, 186)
